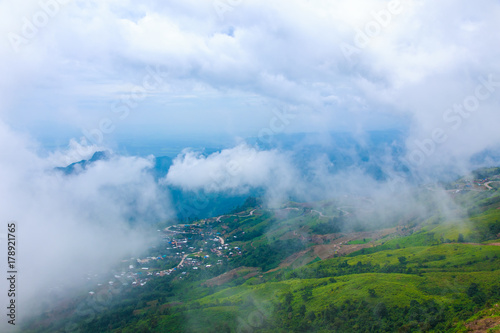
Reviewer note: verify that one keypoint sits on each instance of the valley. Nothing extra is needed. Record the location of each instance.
(312, 267)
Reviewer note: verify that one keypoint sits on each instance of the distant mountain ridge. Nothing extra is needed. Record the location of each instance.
(83, 164)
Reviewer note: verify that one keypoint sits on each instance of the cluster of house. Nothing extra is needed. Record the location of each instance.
(229, 252)
(215, 248)
(469, 184)
(480, 182)
(218, 248)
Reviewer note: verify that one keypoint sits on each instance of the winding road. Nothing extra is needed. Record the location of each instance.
(327, 216)
(250, 214)
(488, 184)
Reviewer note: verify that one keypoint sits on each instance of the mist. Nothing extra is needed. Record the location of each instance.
(70, 226)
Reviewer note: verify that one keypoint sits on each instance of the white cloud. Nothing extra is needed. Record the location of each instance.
(285, 52)
(424, 58)
(76, 152)
(236, 170)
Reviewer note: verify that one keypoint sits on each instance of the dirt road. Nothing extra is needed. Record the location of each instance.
(488, 184)
(182, 261)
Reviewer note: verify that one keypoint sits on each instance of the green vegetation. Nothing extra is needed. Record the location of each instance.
(486, 173)
(359, 241)
(433, 274)
(334, 225)
(268, 256)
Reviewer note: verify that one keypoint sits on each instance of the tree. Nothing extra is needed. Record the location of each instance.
(307, 294)
(302, 310)
(380, 310)
(460, 238)
(288, 299)
(475, 294)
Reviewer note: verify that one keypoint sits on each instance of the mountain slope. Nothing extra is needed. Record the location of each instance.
(303, 267)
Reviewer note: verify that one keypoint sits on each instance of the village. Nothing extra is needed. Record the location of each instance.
(183, 249)
(471, 184)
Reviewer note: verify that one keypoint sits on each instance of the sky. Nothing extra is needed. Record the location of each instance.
(111, 70)
(161, 76)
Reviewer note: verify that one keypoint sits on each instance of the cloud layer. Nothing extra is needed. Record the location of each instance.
(224, 66)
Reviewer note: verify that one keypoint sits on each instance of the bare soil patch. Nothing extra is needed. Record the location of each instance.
(231, 275)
